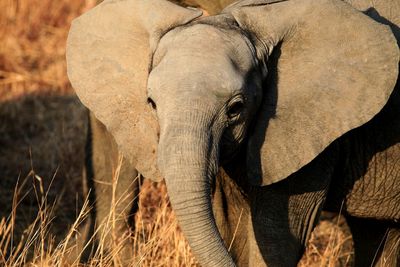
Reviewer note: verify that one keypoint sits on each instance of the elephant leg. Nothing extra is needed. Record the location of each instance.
(375, 244)
(116, 187)
(284, 214)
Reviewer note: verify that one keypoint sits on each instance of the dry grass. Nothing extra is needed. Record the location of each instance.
(157, 238)
(32, 51)
(42, 132)
(330, 244)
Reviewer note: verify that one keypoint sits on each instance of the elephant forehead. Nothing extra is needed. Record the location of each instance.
(188, 74)
(195, 35)
(200, 58)
(207, 45)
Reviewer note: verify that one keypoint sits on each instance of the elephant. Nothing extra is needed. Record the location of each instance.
(257, 118)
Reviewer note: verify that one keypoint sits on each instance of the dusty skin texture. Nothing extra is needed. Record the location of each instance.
(312, 66)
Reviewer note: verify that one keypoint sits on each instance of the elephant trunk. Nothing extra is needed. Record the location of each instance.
(188, 159)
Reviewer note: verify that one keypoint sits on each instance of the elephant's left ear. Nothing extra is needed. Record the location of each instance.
(331, 70)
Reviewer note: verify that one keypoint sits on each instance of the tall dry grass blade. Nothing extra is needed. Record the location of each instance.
(236, 229)
(64, 248)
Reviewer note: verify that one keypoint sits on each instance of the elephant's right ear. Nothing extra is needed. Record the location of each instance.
(331, 69)
(109, 50)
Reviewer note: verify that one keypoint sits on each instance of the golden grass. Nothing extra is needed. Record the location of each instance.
(157, 239)
(32, 50)
(42, 134)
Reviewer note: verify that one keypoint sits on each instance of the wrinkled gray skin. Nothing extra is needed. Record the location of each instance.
(102, 159)
(203, 129)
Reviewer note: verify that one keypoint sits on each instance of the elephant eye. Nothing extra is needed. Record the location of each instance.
(235, 109)
(152, 103)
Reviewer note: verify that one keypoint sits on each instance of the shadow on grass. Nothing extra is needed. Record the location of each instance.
(42, 138)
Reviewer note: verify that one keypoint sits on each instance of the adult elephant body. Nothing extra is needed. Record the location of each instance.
(256, 117)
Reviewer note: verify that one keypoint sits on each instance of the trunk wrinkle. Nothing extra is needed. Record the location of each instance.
(189, 162)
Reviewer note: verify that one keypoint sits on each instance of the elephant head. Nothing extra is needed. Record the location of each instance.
(284, 78)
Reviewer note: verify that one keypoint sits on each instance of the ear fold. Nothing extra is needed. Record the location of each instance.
(108, 56)
(332, 70)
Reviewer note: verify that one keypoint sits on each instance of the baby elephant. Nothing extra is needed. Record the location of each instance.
(257, 118)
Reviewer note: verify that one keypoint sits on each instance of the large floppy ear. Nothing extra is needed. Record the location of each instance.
(331, 69)
(109, 50)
